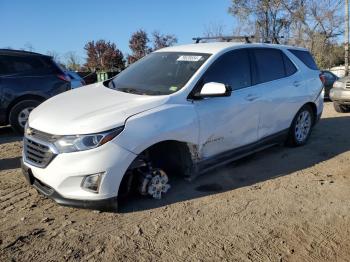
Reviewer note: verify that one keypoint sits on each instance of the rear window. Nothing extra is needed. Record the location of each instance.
(270, 64)
(305, 57)
(26, 64)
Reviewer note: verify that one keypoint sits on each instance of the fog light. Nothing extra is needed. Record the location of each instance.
(92, 182)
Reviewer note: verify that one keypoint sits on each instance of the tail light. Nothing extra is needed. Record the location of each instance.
(322, 78)
(64, 77)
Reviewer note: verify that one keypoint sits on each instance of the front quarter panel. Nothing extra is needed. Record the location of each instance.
(177, 122)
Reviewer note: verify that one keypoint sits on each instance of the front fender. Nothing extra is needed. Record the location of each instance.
(177, 122)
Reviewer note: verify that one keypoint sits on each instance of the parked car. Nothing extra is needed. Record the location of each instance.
(26, 80)
(76, 80)
(330, 78)
(181, 110)
(340, 95)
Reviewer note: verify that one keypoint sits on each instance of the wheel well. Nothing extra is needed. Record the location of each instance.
(314, 110)
(173, 157)
(20, 99)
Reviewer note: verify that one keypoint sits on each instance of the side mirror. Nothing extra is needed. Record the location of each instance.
(213, 89)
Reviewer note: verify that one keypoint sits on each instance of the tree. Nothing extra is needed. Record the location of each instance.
(270, 17)
(314, 24)
(138, 45)
(55, 56)
(161, 40)
(214, 30)
(104, 55)
(73, 61)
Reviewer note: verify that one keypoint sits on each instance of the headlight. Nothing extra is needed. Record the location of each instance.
(338, 84)
(68, 144)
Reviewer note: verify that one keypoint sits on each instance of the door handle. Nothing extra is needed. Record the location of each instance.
(251, 97)
(296, 83)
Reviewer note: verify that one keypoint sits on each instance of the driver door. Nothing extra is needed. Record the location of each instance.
(230, 122)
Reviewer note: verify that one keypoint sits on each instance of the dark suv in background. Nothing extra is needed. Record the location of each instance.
(26, 80)
(330, 78)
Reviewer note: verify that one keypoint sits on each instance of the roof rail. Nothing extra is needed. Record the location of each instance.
(223, 38)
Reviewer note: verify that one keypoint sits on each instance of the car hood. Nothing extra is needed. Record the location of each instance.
(90, 109)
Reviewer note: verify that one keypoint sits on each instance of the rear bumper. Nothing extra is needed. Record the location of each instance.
(108, 204)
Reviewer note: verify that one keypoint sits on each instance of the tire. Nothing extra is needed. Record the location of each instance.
(340, 108)
(300, 130)
(19, 114)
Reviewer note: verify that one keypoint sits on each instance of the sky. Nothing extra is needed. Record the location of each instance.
(66, 25)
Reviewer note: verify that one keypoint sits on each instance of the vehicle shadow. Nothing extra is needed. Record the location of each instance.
(7, 135)
(329, 139)
(10, 163)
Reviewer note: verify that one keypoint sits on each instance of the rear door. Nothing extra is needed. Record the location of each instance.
(229, 122)
(277, 78)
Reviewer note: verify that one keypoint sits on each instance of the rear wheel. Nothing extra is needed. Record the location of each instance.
(301, 127)
(19, 114)
(341, 108)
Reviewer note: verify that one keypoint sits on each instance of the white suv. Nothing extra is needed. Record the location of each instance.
(179, 111)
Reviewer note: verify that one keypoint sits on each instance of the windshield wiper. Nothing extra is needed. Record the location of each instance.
(131, 90)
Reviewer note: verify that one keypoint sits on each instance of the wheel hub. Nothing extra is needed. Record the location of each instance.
(24, 115)
(158, 185)
(303, 126)
(154, 182)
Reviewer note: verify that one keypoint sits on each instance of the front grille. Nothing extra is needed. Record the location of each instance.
(36, 149)
(347, 85)
(41, 135)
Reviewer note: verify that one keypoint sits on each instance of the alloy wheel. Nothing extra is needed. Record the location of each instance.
(23, 116)
(303, 126)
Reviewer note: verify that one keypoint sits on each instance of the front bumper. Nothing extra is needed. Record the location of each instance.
(61, 179)
(109, 204)
(340, 95)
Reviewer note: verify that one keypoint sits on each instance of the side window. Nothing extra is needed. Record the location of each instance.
(289, 66)
(269, 63)
(232, 69)
(23, 64)
(305, 57)
(4, 70)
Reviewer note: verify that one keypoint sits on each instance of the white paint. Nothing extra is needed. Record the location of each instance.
(211, 125)
(213, 89)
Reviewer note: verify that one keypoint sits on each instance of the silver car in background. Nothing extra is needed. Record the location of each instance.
(340, 95)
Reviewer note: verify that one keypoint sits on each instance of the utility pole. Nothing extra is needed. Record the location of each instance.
(346, 40)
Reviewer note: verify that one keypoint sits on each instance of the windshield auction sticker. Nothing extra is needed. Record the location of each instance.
(189, 58)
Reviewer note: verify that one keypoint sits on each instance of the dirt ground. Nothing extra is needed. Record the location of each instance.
(282, 204)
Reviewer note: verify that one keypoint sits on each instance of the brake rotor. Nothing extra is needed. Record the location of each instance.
(158, 184)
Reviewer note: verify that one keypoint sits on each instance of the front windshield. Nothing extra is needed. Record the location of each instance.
(160, 73)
